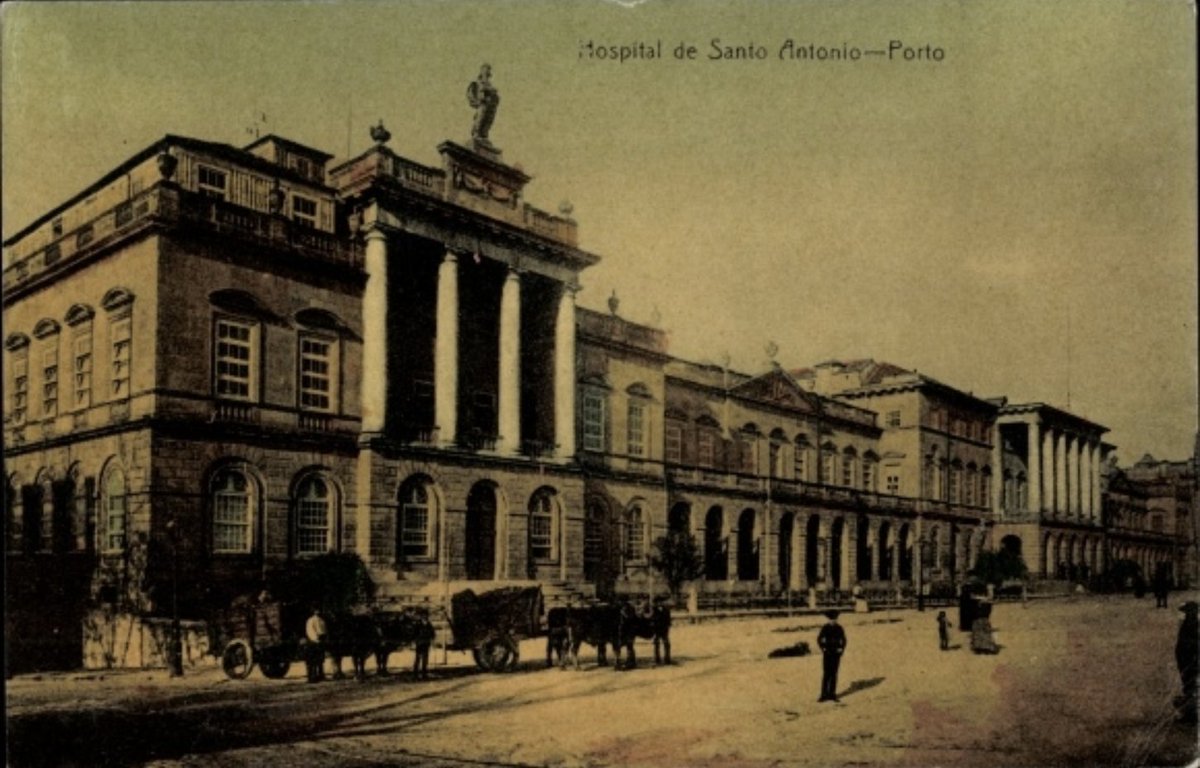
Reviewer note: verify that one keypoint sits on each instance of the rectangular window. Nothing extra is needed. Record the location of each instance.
(231, 527)
(50, 378)
(114, 530)
(235, 360)
(304, 211)
(827, 470)
(20, 385)
(540, 536)
(893, 418)
(83, 366)
(211, 182)
(593, 422)
(749, 462)
(953, 486)
(415, 536)
(312, 526)
(705, 449)
(120, 331)
(800, 467)
(868, 476)
(316, 373)
(673, 445)
(848, 472)
(636, 429)
(893, 484)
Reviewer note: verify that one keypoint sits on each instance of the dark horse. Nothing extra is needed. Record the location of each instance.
(360, 636)
(571, 627)
(654, 625)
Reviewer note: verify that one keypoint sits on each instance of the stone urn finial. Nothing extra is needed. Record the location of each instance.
(166, 164)
(613, 302)
(275, 198)
(379, 134)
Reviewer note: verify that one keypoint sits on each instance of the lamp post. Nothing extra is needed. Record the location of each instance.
(922, 572)
(175, 649)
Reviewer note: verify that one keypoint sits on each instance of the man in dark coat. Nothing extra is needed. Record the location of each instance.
(1187, 658)
(832, 639)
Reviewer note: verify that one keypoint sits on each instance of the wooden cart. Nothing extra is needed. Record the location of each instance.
(249, 632)
(491, 624)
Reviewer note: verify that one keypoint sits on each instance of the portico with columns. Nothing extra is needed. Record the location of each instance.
(1058, 456)
(468, 335)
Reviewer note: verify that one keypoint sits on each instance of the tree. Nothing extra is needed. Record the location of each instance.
(998, 567)
(677, 557)
(335, 581)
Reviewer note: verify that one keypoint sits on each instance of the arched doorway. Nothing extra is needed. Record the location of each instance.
(680, 518)
(480, 535)
(885, 551)
(862, 547)
(716, 560)
(784, 559)
(595, 514)
(904, 545)
(1011, 544)
(812, 550)
(747, 547)
(837, 538)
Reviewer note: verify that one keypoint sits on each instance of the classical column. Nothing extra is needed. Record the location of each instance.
(1033, 469)
(445, 355)
(1048, 480)
(510, 365)
(1072, 462)
(1078, 493)
(1090, 489)
(996, 484)
(1060, 474)
(375, 337)
(1097, 501)
(564, 374)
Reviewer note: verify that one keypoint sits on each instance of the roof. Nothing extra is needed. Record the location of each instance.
(226, 151)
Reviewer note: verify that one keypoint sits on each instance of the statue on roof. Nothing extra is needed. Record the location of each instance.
(484, 97)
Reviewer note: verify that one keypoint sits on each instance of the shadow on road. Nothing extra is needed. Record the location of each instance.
(861, 685)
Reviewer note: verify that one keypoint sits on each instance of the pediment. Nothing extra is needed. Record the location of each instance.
(778, 388)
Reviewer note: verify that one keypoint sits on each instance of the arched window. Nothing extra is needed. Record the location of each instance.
(416, 520)
(543, 526)
(115, 511)
(232, 513)
(635, 534)
(848, 461)
(314, 515)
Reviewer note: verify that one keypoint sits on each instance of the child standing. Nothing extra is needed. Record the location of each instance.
(943, 630)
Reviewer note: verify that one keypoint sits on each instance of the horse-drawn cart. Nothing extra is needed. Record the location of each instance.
(491, 624)
(267, 633)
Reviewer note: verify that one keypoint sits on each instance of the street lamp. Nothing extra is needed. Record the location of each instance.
(922, 572)
(175, 648)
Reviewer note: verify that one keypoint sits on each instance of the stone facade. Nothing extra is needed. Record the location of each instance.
(221, 361)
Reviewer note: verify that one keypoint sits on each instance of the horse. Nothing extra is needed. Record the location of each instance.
(570, 627)
(397, 630)
(632, 624)
(355, 635)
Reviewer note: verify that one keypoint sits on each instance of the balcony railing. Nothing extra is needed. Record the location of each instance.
(237, 413)
(167, 204)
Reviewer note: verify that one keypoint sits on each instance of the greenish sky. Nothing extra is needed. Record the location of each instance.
(956, 216)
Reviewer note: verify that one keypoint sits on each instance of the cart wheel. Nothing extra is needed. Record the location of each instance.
(274, 665)
(493, 655)
(237, 660)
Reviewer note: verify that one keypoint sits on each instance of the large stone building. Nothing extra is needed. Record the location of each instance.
(221, 360)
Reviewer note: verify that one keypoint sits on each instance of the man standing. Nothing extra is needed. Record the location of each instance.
(832, 640)
(1187, 659)
(315, 632)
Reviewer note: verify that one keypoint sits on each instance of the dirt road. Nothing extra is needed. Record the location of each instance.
(1081, 682)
